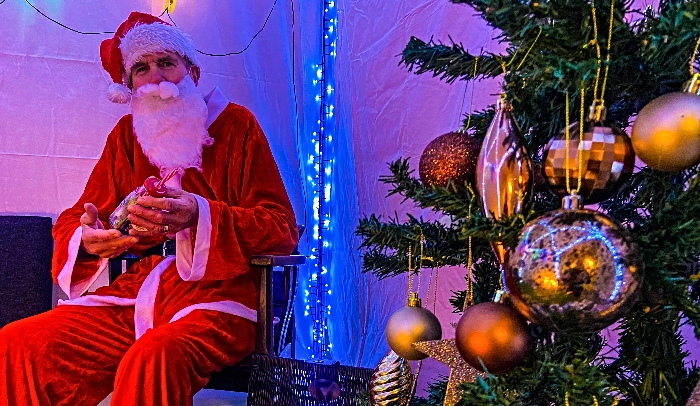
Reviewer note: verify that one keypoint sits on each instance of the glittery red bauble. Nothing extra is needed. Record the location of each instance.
(449, 156)
(492, 337)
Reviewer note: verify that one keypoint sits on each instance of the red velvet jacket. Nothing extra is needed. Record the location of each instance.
(244, 211)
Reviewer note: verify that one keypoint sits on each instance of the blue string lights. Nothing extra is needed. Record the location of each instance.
(321, 161)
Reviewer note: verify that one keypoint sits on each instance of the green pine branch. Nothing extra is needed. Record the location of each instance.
(550, 52)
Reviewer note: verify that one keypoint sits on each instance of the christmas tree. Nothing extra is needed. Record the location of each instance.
(562, 57)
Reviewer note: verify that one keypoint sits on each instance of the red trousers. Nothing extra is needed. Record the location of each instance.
(77, 355)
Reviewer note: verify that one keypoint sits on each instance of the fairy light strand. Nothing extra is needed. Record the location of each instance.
(320, 167)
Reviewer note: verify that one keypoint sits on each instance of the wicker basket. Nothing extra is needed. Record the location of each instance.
(278, 381)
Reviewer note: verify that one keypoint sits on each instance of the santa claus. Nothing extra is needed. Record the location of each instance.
(156, 334)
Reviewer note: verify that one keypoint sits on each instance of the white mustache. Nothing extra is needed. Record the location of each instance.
(164, 90)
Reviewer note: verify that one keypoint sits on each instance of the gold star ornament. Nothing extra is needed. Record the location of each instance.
(446, 352)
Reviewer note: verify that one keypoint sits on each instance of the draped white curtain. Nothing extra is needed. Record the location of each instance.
(54, 117)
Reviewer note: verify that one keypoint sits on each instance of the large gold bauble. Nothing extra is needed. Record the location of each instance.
(607, 160)
(492, 337)
(449, 156)
(409, 325)
(391, 382)
(666, 133)
(573, 270)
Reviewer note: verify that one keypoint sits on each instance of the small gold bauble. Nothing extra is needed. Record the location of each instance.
(409, 325)
(666, 133)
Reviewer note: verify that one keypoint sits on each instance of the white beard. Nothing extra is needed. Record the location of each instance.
(170, 124)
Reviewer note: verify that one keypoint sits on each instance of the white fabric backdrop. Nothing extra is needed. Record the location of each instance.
(55, 117)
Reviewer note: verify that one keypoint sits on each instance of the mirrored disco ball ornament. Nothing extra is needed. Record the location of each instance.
(607, 162)
(573, 269)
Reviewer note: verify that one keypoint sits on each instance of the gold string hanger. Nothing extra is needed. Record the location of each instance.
(469, 294)
(567, 395)
(504, 66)
(693, 58)
(694, 83)
(416, 272)
(597, 109)
(580, 142)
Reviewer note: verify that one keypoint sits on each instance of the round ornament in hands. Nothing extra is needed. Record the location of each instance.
(151, 186)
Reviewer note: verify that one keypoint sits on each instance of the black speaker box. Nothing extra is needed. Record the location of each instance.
(26, 246)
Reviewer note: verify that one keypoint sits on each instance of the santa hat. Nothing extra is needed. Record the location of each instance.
(139, 35)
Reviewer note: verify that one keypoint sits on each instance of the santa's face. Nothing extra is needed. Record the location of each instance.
(161, 66)
(169, 113)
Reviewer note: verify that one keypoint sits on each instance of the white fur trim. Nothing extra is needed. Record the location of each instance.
(97, 300)
(192, 261)
(146, 39)
(216, 103)
(225, 306)
(146, 298)
(64, 278)
(118, 93)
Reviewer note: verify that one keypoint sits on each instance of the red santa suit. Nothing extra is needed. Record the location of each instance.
(156, 334)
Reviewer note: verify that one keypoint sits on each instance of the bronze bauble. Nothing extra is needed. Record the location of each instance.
(492, 337)
(608, 161)
(392, 382)
(573, 270)
(666, 133)
(503, 171)
(408, 325)
(449, 156)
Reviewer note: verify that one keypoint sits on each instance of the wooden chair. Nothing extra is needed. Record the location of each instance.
(270, 337)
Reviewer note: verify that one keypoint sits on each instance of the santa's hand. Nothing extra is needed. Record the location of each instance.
(96, 240)
(176, 211)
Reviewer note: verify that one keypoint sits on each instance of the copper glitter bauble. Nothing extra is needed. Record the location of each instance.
(409, 325)
(492, 334)
(503, 171)
(666, 132)
(574, 270)
(449, 156)
(608, 161)
(392, 382)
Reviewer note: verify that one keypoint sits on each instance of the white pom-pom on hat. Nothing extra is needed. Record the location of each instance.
(118, 93)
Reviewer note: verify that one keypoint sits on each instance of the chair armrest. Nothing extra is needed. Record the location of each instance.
(277, 260)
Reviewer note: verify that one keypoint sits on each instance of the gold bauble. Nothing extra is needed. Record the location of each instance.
(666, 133)
(573, 271)
(391, 382)
(409, 325)
(492, 337)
